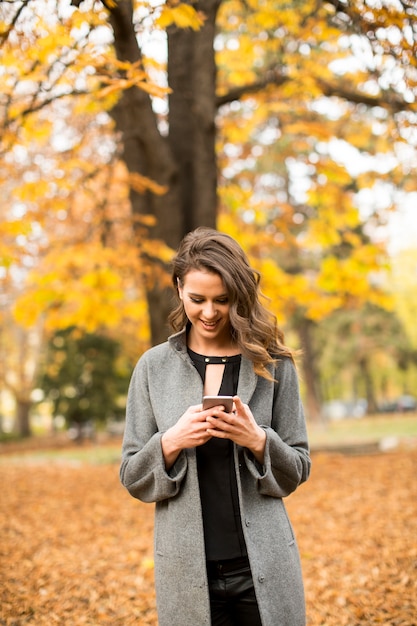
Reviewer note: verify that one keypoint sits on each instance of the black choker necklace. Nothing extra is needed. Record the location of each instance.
(218, 360)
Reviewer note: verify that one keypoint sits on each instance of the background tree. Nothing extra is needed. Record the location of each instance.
(21, 352)
(402, 283)
(358, 363)
(85, 378)
(282, 51)
(298, 165)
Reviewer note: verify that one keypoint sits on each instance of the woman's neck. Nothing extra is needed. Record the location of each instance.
(212, 348)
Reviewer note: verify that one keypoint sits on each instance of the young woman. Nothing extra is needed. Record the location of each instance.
(225, 552)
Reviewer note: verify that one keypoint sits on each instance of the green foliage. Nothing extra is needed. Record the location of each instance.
(85, 377)
(350, 338)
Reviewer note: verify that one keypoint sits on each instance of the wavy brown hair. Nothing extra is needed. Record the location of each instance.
(254, 328)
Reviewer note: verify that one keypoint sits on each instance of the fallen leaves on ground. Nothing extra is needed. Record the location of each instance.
(76, 549)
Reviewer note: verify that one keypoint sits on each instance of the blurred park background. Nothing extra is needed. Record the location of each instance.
(124, 124)
(292, 126)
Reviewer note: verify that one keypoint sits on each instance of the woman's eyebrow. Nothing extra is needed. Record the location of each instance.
(199, 295)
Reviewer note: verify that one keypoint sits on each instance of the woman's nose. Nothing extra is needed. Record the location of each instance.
(209, 310)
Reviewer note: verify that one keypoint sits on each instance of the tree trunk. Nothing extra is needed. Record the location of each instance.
(23, 406)
(310, 370)
(184, 161)
(192, 113)
(368, 385)
(145, 151)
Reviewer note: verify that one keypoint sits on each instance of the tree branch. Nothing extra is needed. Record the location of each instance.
(272, 77)
(388, 100)
(6, 33)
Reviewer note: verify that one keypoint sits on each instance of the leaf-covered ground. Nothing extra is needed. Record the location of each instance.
(76, 549)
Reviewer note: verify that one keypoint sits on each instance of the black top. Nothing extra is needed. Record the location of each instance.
(223, 532)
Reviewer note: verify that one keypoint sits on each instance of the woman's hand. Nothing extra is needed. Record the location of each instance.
(190, 431)
(239, 426)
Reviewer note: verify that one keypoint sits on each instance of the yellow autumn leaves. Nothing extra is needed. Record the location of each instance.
(82, 286)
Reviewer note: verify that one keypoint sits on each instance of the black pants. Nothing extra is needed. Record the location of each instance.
(232, 596)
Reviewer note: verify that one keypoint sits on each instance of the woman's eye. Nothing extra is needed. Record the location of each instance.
(200, 300)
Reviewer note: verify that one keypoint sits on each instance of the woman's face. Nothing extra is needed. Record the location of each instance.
(206, 305)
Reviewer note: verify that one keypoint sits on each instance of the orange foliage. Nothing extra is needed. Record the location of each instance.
(77, 549)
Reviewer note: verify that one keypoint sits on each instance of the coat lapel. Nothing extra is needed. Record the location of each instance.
(247, 381)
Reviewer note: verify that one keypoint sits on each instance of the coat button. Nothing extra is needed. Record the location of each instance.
(261, 578)
(247, 522)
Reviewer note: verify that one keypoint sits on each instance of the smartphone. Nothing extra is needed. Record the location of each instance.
(226, 401)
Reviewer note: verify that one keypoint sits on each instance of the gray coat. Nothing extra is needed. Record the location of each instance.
(164, 384)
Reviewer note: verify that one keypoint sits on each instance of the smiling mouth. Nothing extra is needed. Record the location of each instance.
(209, 324)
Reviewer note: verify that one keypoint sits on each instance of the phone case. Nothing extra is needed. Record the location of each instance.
(226, 401)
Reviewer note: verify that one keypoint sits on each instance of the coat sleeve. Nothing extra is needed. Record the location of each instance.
(142, 469)
(287, 460)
